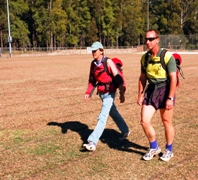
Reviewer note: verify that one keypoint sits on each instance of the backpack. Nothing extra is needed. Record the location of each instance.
(118, 63)
(178, 60)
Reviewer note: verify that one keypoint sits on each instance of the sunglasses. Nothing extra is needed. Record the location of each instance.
(94, 51)
(150, 39)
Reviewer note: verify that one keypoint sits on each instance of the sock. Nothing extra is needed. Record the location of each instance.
(153, 145)
(169, 147)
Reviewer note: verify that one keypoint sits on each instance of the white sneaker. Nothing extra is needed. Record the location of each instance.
(151, 152)
(124, 136)
(167, 155)
(90, 146)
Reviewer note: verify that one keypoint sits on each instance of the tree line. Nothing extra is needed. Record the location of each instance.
(78, 23)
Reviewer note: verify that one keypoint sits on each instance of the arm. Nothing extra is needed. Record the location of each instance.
(171, 66)
(111, 64)
(141, 86)
(173, 81)
(91, 83)
(117, 76)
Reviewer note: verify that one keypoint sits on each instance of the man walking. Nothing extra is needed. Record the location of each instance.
(159, 94)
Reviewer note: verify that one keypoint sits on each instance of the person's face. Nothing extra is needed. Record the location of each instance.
(151, 40)
(97, 54)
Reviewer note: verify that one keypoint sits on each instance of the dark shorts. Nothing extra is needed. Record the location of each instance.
(157, 96)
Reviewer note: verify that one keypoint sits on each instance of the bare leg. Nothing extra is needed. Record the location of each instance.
(166, 116)
(146, 115)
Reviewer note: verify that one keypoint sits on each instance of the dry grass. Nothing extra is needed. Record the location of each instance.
(44, 120)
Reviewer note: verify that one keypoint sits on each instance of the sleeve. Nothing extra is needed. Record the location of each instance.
(91, 81)
(171, 65)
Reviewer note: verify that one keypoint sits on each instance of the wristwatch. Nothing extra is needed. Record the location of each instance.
(171, 98)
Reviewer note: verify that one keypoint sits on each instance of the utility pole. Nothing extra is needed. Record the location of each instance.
(9, 36)
(147, 14)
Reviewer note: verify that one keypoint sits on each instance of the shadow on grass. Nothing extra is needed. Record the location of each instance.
(109, 136)
(76, 126)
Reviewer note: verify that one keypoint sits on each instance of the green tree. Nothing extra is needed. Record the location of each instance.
(165, 16)
(3, 23)
(96, 13)
(78, 23)
(91, 32)
(85, 21)
(103, 21)
(47, 23)
(18, 26)
(73, 32)
(58, 24)
(42, 23)
(190, 17)
(190, 22)
(129, 21)
(107, 22)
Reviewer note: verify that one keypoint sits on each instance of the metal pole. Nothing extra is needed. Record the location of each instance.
(147, 14)
(9, 36)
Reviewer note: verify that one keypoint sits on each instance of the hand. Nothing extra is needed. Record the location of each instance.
(122, 98)
(140, 100)
(169, 104)
(86, 96)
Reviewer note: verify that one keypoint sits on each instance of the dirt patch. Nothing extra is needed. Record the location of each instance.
(44, 120)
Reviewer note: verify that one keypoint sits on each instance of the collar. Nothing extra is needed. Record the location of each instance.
(158, 54)
(99, 62)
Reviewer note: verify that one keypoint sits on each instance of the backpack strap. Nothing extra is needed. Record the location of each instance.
(162, 55)
(146, 60)
(105, 65)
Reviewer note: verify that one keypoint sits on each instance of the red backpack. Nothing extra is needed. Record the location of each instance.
(118, 63)
(178, 60)
(104, 74)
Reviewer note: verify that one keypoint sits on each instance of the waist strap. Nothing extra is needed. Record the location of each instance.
(154, 87)
(157, 85)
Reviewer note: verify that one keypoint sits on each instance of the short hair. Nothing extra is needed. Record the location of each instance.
(154, 30)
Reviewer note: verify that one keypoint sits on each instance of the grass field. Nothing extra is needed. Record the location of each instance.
(44, 120)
